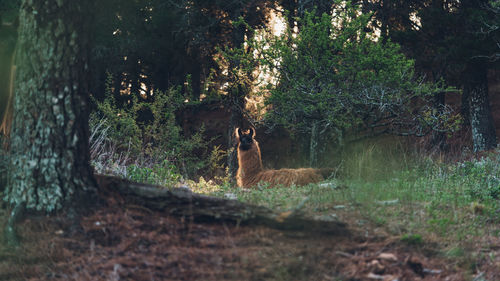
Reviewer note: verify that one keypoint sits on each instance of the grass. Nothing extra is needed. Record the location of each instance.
(413, 197)
(453, 204)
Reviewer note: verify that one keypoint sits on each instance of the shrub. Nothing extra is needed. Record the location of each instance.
(334, 77)
(473, 180)
(481, 177)
(143, 140)
(335, 74)
(164, 173)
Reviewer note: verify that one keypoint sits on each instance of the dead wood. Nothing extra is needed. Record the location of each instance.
(183, 202)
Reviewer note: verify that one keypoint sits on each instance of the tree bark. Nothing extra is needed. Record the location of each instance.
(4, 164)
(481, 120)
(313, 144)
(236, 106)
(438, 139)
(195, 69)
(8, 38)
(50, 162)
(235, 121)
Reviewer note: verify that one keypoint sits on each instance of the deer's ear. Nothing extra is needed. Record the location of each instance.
(237, 132)
(251, 132)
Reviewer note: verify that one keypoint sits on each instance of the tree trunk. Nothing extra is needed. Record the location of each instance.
(8, 38)
(235, 121)
(6, 115)
(438, 139)
(481, 120)
(313, 145)
(195, 66)
(50, 166)
(3, 164)
(236, 106)
(196, 82)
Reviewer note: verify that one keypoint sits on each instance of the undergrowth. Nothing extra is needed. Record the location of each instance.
(142, 141)
(426, 200)
(414, 197)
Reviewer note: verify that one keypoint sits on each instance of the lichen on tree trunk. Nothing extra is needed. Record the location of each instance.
(49, 137)
(313, 144)
(480, 117)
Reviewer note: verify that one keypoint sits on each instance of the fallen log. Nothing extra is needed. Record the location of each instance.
(181, 201)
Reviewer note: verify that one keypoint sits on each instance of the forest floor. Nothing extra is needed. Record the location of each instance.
(129, 242)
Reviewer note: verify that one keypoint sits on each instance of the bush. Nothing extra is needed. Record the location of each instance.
(165, 174)
(143, 140)
(333, 73)
(473, 180)
(334, 78)
(481, 177)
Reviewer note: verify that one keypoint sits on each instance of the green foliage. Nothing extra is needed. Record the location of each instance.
(9, 10)
(209, 187)
(437, 198)
(481, 178)
(421, 201)
(373, 159)
(165, 174)
(163, 138)
(217, 156)
(412, 239)
(216, 165)
(164, 41)
(121, 126)
(146, 134)
(335, 73)
(455, 252)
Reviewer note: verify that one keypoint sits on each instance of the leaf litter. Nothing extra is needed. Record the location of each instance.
(126, 242)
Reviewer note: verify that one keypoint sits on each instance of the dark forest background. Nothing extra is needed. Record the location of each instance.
(118, 148)
(171, 80)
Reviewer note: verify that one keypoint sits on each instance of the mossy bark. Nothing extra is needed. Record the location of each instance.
(313, 145)
(49, 152)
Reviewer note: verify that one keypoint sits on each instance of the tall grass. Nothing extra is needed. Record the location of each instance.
(383, 181)
(105, 155)
(419, 197)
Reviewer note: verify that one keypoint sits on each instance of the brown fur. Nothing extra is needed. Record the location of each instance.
(251, 171)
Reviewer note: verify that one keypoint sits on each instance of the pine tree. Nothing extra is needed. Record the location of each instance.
(49, 151)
